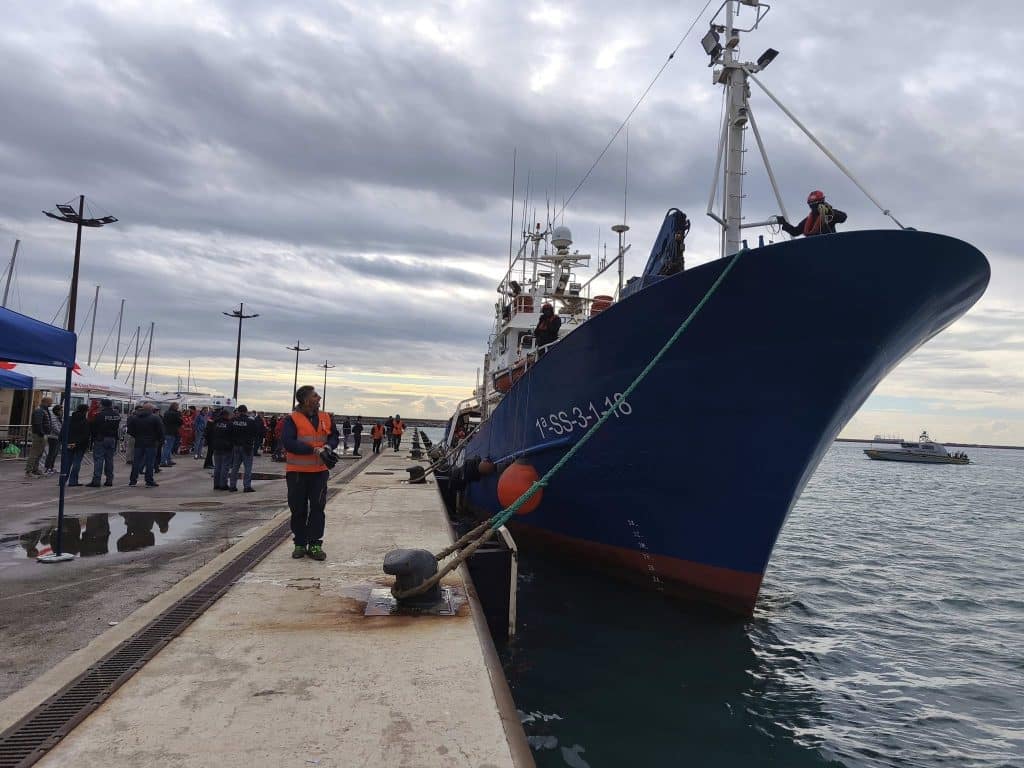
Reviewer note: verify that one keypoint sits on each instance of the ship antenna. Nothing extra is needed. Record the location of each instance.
(512, 217)
(625, 182)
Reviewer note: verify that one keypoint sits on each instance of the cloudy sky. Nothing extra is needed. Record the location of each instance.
(344, 168)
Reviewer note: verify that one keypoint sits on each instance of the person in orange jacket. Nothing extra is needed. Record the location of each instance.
(397, 428)
(821, 220)
(377, 433)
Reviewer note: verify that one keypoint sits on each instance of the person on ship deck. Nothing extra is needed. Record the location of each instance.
(547, 327)
(821, 220)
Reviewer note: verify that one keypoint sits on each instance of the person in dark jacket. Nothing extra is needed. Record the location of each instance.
(547, 327)
(79, 434)
(40, 428)
(346, 432)
(220, 442)
(172, 426)
(148, 430)
(272, 434)
(211, 421)
(357, 435)
(243, 434)
(105, 427)
(821, 220)
(259, 426)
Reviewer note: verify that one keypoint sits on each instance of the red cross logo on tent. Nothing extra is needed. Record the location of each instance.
(6, 366)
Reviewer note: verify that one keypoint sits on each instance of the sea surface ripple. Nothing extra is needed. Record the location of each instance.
(889, 632)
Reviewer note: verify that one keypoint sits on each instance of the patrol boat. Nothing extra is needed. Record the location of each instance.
(676, 491)
(924, 451)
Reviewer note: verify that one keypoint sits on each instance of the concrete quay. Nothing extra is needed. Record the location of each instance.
(285, 669)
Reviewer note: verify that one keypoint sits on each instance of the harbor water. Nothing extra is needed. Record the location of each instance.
(889, 632)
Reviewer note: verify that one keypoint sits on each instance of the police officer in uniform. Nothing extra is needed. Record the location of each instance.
(243, 433)
(105, 428)
(223, 447)
(307, 433)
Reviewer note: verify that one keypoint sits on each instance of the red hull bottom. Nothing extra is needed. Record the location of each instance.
(724, 588)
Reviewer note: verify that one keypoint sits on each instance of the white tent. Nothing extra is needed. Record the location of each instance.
(84, 380)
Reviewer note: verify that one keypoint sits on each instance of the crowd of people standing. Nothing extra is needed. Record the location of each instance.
(226, 438)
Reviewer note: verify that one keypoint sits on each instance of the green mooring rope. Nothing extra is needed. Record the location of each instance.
(505, 515)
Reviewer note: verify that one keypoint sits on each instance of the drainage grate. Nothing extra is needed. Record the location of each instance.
(29, 739)
(40, 730)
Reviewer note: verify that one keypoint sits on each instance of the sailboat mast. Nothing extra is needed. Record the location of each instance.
(149, 350)
(10, 271)
(135, 365)
(117, 354)
(92, 331)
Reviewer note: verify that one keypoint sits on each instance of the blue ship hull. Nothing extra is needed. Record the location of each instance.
(687, 487)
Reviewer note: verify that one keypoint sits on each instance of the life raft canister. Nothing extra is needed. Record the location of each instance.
(600, 304)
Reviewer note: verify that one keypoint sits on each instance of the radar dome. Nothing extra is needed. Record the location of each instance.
(561, 237)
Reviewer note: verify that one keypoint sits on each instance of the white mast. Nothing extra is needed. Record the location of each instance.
(92, 331)
(117, 355)
(721, 43)
(734, 77)
(10, 271)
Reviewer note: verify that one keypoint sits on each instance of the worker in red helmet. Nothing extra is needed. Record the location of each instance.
(546, 331)
(821, 220)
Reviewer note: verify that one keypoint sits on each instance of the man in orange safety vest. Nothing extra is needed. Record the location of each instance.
(307, 435)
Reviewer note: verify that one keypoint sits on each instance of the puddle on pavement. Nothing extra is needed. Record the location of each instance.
(102, 534)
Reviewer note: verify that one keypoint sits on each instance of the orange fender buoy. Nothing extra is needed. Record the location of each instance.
(514, 482)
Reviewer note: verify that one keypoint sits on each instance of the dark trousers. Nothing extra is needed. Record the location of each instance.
(241, 458)
(221, 467)
(102, 459)
(307, 497)
(208, 464)
(357, 440)
(145, 458)
(52, 449)
(76, 464)
(376, 444)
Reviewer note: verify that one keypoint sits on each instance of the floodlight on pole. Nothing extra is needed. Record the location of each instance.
(296, 349)
(68, 214)
(327, 365)
(240, 314)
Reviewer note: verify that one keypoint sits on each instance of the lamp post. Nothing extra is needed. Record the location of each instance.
(297, 348)
(323, 400)
(240, 314)
(68, 214)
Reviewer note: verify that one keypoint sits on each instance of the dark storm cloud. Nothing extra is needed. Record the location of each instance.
(345, 169)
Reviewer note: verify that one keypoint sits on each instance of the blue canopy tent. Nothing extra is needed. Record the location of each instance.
(14, 380)
(27, 340)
